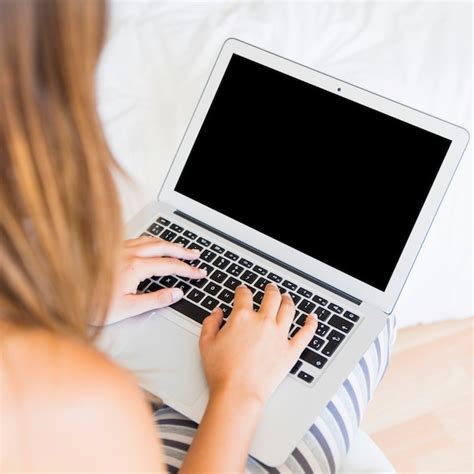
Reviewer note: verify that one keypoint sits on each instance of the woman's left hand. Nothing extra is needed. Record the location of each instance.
(142, 258)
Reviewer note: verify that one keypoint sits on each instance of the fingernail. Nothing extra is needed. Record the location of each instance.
(203, 271)
(242, 285)
(176, 294)
(196, 251)
(313, 316)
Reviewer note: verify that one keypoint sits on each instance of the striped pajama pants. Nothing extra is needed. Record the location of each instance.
(325, 445)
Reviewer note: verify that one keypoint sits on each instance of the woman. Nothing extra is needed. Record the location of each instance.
(65, 405)
(64, 272)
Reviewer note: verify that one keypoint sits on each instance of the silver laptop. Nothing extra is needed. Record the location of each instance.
(289, 175)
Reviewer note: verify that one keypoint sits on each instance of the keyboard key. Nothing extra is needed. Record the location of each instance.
(190, 310)
(221, 263)
(341, 324)
(209, 302)
(176, 228)
(226, 296)
(322, 329)
(296, 299)
(351, 316)
(153, 287)
(205, 266)
(289, 285)
(194, 263)
(218, 276)
(168, 281)
(330, 348)
(163, 221)
(313, 358)
(155, 229)
(232, 283)
(319, 300)
(199, 283)
(245, 263)
(235, 269)
(301, 318)
(195, 246)
(258, 297)
(226, 310)
(323, 313)
(297, 328)
(168, 235)
(204, 242)
(296, 367)
(231, 255)
(249, 277)
(208, 256)
(262, 283)
(184, 286)
(182, 241)
(275, 278)
(335, 336)
(259, 270)
(334, 307)
(306, 377)
(143, 284)
(304, 292)
(212, 288)
(217, 248)
(306, 306)
(190, 235)
(195, 295)
(316, 343)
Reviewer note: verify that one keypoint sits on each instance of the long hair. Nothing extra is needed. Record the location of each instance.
(60, 223)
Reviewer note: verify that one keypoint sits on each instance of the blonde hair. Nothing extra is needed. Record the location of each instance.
(60, 225)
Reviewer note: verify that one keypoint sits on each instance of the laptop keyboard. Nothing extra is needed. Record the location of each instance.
(225, 271)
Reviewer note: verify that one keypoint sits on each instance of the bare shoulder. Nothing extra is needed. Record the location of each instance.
(59, 394)
(43, 367)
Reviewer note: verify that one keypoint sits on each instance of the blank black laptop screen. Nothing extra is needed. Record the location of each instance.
(338, 181)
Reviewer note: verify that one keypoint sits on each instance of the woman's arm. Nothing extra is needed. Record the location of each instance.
(244, 362)
(223, 439)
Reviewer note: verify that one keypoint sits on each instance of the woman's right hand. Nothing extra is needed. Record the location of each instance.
(251, 354)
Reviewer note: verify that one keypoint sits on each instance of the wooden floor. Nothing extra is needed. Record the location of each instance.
(422, 413)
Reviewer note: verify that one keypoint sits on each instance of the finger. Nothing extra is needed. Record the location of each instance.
(163, 248)
(286, 312)
(159, 266)
(271, 301)
(139, 240)
(210, 326)
(302, 338)
(242, 298)
(138, 304)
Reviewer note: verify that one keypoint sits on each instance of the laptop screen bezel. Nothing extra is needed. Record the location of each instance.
(384, 300)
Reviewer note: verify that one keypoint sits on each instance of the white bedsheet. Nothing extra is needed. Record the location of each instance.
(159, 55)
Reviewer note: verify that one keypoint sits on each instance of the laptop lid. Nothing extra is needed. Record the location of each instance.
(336, 181)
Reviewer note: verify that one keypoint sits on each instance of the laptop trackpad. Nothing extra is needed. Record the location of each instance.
(165, 358)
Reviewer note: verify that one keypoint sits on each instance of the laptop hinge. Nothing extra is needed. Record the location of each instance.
(274, 260)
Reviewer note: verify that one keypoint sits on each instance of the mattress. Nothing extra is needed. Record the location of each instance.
(158, 56)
